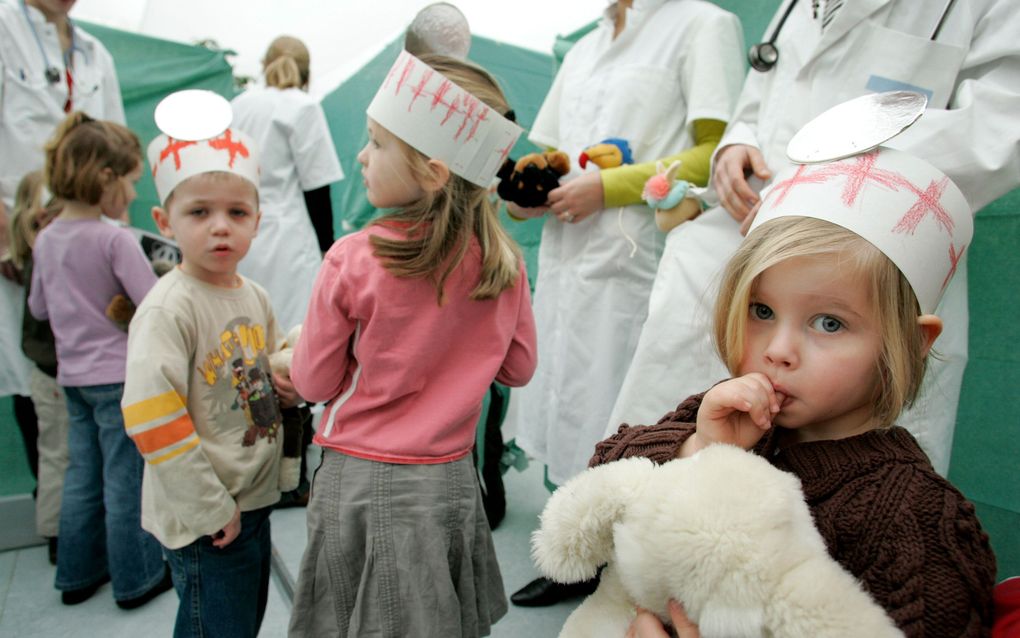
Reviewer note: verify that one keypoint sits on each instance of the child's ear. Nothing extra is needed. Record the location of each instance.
(438, 175)
(931, 328)
(162, 218)
(258, 218)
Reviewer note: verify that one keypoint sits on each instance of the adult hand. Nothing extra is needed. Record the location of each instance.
(732, 166)
(285, 391)
(738, 411)
(230, 532)
(578, 198)
(520, 212)
(648, 625)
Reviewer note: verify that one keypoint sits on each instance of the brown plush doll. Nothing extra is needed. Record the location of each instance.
(527, 181)
(121, 309)
(293, 418)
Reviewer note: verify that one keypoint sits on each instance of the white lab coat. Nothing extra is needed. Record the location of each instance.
(296, 155)
(675, 62)
(30, 108)
(969, 131)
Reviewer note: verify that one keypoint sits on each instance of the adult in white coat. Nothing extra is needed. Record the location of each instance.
(299, 162)
(964, 55)
(670, 63)
(48, 67)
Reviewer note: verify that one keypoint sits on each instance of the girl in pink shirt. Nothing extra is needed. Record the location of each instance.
(410, 321)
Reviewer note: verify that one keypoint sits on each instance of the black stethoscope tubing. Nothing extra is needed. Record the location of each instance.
(764, 55)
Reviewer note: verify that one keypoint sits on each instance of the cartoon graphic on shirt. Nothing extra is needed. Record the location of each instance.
(237, 373)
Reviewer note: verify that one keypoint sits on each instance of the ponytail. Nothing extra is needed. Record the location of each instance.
(81, 149)
(286, 64)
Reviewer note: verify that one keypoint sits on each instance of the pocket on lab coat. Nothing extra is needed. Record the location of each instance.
(894, 60)
(31, 101)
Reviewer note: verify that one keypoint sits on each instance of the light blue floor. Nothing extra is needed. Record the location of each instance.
(30, 607)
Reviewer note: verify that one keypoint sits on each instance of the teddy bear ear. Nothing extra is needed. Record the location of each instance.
(559, 162)
(673, 169)
(660, 168)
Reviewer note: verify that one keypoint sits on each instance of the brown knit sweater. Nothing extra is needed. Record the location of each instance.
(906, 533)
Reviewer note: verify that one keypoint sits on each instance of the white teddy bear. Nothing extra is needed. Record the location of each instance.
(723, 532)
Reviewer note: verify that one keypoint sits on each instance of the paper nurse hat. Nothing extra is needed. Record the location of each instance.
(196, 139)
(442, 120)
(902, 205)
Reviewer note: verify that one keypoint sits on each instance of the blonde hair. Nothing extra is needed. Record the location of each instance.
(901, 362)
(26, 201)
(81, 149)
(438, 228)
(286, 63)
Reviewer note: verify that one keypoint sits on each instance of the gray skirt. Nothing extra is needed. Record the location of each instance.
(396, 550)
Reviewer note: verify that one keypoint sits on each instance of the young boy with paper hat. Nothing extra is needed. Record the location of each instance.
(824, 320)
(411, 320)
(199, 402)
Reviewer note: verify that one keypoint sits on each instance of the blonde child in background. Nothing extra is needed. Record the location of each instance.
(824, 320)
(411, 319)
(33, 210)
(80, 263)
(200, 400)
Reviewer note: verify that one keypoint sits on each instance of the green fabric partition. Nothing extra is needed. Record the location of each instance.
(986, 448)
(149, 69)
(525, 77)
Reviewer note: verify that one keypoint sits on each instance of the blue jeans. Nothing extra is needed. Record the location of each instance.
(223, 592)
(100, 514)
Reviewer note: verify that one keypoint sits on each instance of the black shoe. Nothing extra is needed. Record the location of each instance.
(543, 592)
(76, 596)
(51, 541)
(163, 585)
(294, 498)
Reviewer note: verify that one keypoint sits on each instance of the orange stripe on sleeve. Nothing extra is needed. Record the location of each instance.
(165, 435)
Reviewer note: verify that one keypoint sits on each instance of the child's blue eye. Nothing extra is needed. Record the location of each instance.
(827, 323)
(198, 212)
(239, 212)
(761, 311)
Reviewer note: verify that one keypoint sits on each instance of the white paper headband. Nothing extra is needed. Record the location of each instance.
(442, 120)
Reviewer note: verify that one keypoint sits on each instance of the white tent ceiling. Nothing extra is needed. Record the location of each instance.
(342, 35)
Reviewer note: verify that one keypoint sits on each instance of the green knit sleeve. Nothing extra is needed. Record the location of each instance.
(622, 186)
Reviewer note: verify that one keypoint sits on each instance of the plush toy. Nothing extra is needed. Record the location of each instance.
(667, 195)
(609, 153)
(723, 532)
(527, 181)
(121, 310)
(293, 419)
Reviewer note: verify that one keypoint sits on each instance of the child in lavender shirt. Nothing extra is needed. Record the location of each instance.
(81, 262)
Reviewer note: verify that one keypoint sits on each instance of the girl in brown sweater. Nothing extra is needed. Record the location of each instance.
(824, 319)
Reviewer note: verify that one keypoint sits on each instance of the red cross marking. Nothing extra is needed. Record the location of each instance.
(860, 172)
(503, 153)
(417, 91)
(405, 73)
(227, 143)
(173, 147)
(484, 115)
(451, 109)
(472, 104)
(928, 201)
(954, 260)
(783, 188)
(440, 93)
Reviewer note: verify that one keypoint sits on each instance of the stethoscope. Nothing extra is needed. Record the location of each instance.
(52, 73)
(764, 55)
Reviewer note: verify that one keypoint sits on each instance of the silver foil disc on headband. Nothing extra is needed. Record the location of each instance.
(193, 115)
(856, 126)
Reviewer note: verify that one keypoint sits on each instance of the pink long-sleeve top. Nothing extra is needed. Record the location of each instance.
(403, 376)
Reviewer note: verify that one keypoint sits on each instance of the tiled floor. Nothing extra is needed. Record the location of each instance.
(30, 607)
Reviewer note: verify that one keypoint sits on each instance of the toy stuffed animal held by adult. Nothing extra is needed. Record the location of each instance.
(723, 532)
(527, 181)
(667, 195)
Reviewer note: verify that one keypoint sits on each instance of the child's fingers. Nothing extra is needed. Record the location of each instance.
(750, 394)
(685, 628)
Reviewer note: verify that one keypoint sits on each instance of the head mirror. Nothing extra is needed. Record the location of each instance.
(856, 126)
